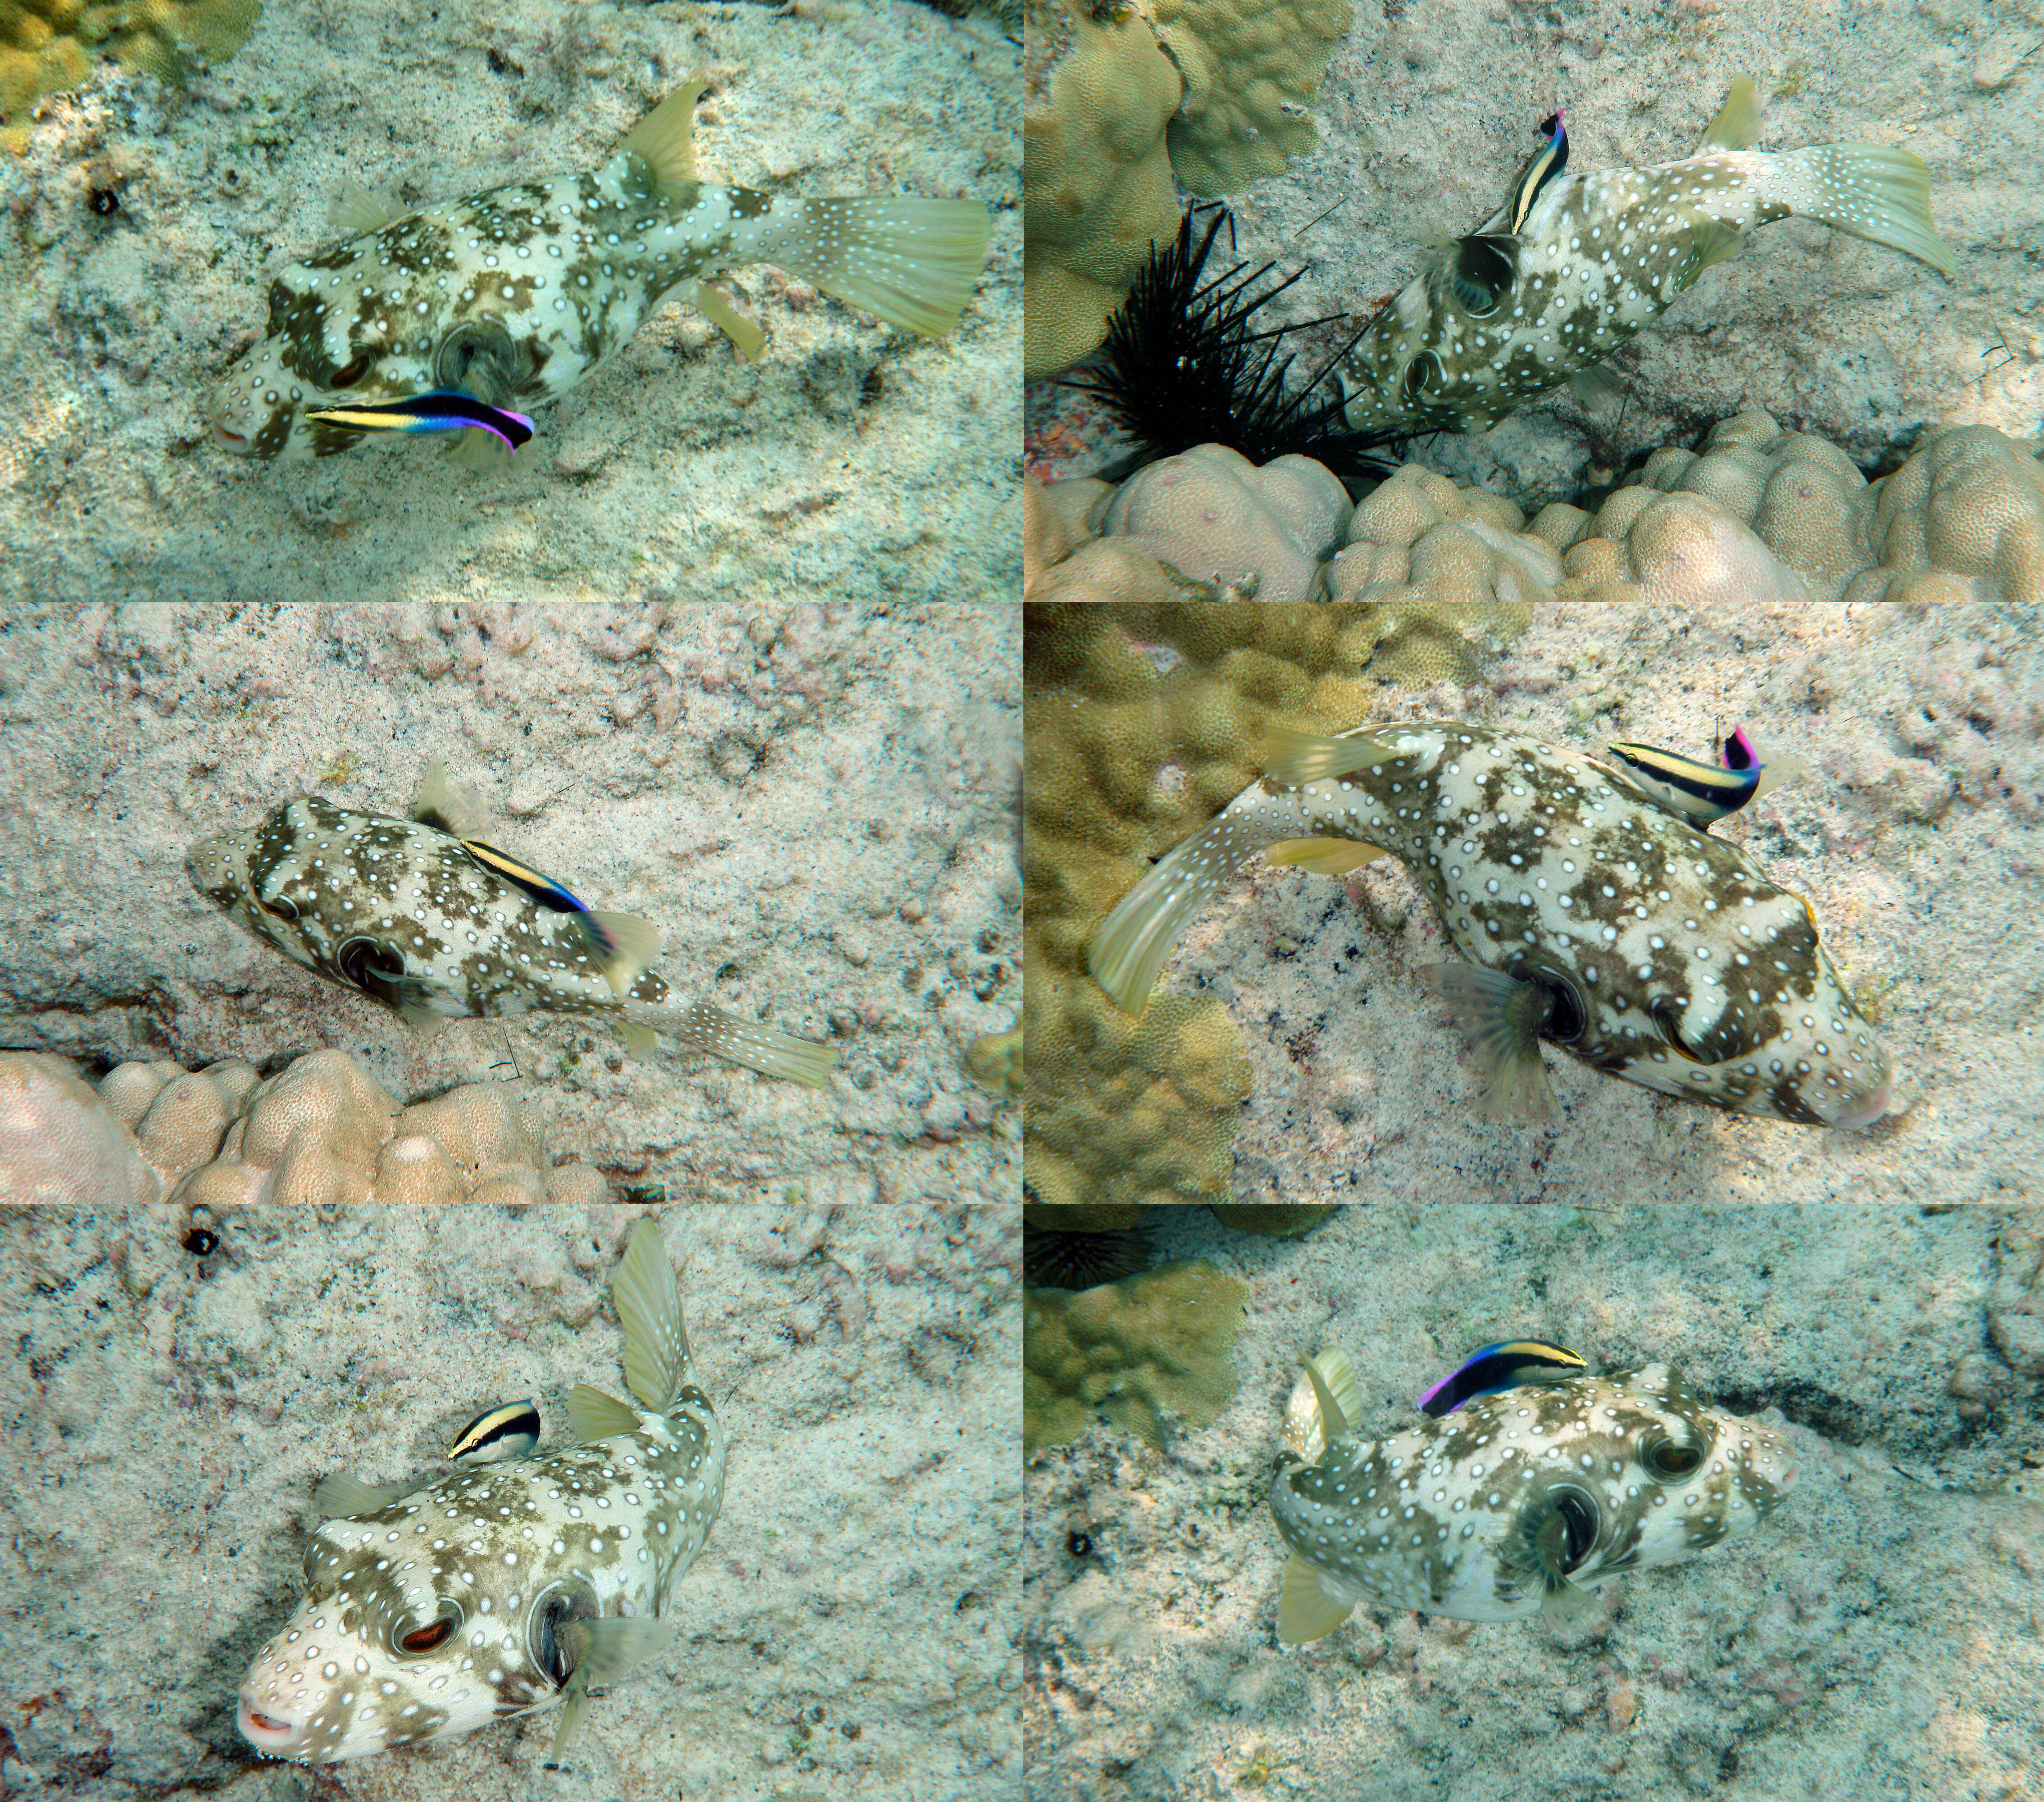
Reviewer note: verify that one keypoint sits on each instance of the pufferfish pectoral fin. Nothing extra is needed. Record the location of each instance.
(1501, 1018)
(1305, 1611)
(602, 1651)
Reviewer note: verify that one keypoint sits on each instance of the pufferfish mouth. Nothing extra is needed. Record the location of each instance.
(264, 1731)
(237, 442)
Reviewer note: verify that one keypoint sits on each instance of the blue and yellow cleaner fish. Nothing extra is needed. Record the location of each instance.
(1593, 913)
(1574, 266)
(436, 926)
(518, 294)
(512, 1588)
(1524, 1502)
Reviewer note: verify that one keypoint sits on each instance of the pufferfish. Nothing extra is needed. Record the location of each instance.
(436, 925)
(1593, 910)
(439, 320)
(508, 1588)
(1522, 1503)
(1574, 266)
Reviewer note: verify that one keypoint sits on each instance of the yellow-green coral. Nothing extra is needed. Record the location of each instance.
(1252, 69)
(1097, 90)
(1141, 721)
(46, 45)
(1145, 1354)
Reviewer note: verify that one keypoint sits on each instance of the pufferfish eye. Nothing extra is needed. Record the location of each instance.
(430, 1636)
(1670, 1459)
(349, 372)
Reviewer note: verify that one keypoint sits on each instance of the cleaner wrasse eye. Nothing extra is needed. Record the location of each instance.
(1590, 913)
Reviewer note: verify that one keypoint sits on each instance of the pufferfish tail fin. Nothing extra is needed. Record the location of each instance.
(649, 1308)
(736, 1041)
(912, 262)
(1868, 191)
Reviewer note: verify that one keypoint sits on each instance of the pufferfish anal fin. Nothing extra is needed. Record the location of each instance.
(1325, 857)
(602, 1651)
(593, 1416)
(443, 806)
(1501, 1018)
(1329, 1377)
(1739, 122)
(342, 1497)
(1305, 1611)
(1336, 1392)
(716, 305)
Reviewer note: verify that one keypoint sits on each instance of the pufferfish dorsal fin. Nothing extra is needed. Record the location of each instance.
(357, 211)
(593, 1416)
(649, 1308)
(342, 1497)
(443, 806)
(667, 136)
(1739, 122)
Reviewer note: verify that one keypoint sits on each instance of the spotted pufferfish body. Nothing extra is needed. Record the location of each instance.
(1601, 256)
(1517, 1504)
(403, 912)
(508, 1588)
(516, 294)
(1669, 957)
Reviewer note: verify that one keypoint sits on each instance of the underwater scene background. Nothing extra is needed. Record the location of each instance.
(1867, 1639)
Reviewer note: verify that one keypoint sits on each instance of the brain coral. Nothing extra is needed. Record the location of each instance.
(1139, 1354)
(1251, 68)
(1097, 90)
(45, 45)
(1102, 81)
(1140, 721)
(321, 1130)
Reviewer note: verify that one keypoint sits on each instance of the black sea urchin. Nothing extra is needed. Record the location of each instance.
(1184, 364)
(1055, 1259)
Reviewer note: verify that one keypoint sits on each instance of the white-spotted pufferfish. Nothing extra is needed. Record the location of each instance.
(1593, 910)
(1574, 266)
(436, 925)
(439, 320)
(508, 1588)
(1520, 1503)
